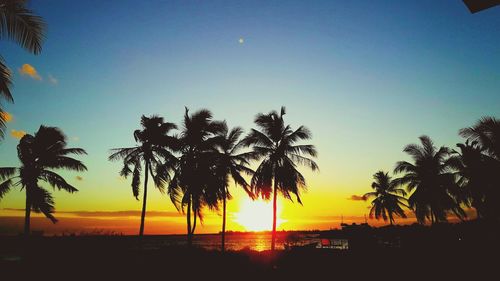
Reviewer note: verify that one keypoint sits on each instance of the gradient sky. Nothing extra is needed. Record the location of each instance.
(367, 77)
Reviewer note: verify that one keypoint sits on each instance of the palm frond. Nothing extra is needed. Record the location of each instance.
(42, 202)
(5, 81)
(5, 187)
(21, 25)
(261, 182)
(404, 167)
(57, 181)
(302, 133)
(121, 153)
(257, 138)
(136, 180)
(64, 162)
(303, 149)
(76, 151)
(125, 171)
(304, 161)
(6, 172)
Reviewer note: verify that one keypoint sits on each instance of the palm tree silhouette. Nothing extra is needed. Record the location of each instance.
(194, 184)
(429, 177)
(388, 198)
(154, 151)
(486, 132)
(474, 175)
(479, 166)
(230, 165)
(21, 25)
(40, 155)
(275, 144)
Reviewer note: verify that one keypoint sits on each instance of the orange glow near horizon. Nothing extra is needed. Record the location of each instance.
(257, 215)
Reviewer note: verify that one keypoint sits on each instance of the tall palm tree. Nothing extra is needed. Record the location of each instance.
(388, 198)
(153, 151)
(21, 25)
(230, 164)
(276, 145)
(479, 166)
(40, 155)
(474, 175)
(194, 184)
(429, 178)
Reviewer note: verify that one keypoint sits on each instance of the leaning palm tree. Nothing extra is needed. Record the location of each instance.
(40, 155)
(429, 178)
(230, 164)
(276, 145)
(194, 184)
(388, 198)
(153, 151)
(21, 25)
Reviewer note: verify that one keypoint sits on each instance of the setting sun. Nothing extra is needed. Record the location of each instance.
(257, 215)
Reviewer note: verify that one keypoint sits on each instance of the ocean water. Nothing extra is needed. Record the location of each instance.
(234, 241)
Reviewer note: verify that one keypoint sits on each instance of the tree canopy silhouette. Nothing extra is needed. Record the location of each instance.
(275, 144)
(478, 166)
(154, 152)
(230, 164)
(388, 198)
(431, 182)
(40, 155)
(194, 184)
(21, 25)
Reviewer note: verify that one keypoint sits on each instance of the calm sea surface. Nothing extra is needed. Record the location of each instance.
(253, 241)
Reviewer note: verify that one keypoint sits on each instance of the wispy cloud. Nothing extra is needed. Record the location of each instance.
(7, 116)
(17, 134)
(357, 198)
(74, 139)
(52, 80)
(29, 70)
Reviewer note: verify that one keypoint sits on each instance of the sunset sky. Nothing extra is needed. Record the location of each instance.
(367, 77)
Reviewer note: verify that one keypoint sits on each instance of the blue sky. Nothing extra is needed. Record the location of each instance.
(367, 77)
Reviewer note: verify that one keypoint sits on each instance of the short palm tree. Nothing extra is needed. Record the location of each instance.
(153, 151)
(388, 198)
(21, 25)
(230, 164)
(276, 145)
(429, 178)
(194, 184)
(40, 155)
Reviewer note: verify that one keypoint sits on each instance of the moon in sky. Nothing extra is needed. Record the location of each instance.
(241, 40)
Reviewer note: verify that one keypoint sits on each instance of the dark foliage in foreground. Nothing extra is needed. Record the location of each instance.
(463, 250)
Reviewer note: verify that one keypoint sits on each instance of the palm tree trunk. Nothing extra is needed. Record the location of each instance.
(27, 220)
(273, 240)
(195, 212)
(188, 218)
(143, 214)
(223, 234)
